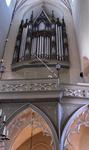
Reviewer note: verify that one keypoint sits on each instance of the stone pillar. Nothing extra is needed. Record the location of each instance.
(59, 120)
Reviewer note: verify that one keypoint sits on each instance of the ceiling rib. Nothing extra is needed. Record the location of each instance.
(20, 3)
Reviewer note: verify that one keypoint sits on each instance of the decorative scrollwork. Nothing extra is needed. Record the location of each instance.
(32, 119)
(82, 119)
(75, 92)
(23, 86)
(43, 85)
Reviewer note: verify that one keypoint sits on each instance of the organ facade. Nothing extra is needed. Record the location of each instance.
(42, 37)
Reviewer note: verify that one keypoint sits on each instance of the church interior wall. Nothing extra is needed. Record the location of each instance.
(78, 37)
(68, 75)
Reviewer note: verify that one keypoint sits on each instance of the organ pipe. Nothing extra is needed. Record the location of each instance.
(41, 46)
(57, 41)
(49, 52)
(37, 44)
(47, 46)
(22, 48)
(61, 39)
(18, 43)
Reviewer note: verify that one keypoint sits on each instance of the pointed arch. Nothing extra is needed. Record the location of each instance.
(79, 118)
(22, 118)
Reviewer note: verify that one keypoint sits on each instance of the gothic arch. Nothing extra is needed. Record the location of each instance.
(22, 119)
(79, 118)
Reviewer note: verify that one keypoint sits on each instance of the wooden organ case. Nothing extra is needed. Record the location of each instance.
(43, 37)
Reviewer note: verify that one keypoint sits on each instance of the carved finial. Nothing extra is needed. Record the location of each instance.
(43, 5)
(31, 16)
(63, 21)
(52, 14)
(58, 21)
(21, 24)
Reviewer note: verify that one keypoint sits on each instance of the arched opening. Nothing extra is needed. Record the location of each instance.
(79, 140)
(76, 133)
(31, 129)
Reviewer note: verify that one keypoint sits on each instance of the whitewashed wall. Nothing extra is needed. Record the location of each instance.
(5, 18)
(81, 21)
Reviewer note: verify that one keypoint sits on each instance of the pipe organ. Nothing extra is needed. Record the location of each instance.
(44, 37)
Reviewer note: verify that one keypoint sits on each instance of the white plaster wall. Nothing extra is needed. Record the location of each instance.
(5, 17)
(81, 20)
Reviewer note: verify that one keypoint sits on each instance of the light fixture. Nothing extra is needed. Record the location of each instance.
(3, 128)
(2, 68)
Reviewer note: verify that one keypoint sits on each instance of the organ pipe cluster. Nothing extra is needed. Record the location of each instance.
(44, 37)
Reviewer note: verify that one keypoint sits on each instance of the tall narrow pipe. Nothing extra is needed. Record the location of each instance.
(42, 46)
(47, 46)
(49, 52)
(23, 43)
(57, 41)
(38, 45)
(32, 49)
(35, 45)
(60, 47)
(61, 41)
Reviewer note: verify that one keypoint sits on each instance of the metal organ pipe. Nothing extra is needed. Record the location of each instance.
(42, 51)
(61, 39)
(27, 52)
(57, 41)
(34, 45)
(18, 43)
(45, 47)
(53, 48)
(23, 42)
(41, 47)
(32, 48)
(49, 47)
(38, 45)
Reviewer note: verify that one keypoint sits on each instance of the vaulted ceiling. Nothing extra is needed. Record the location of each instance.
(66, 3)
(26, 4)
